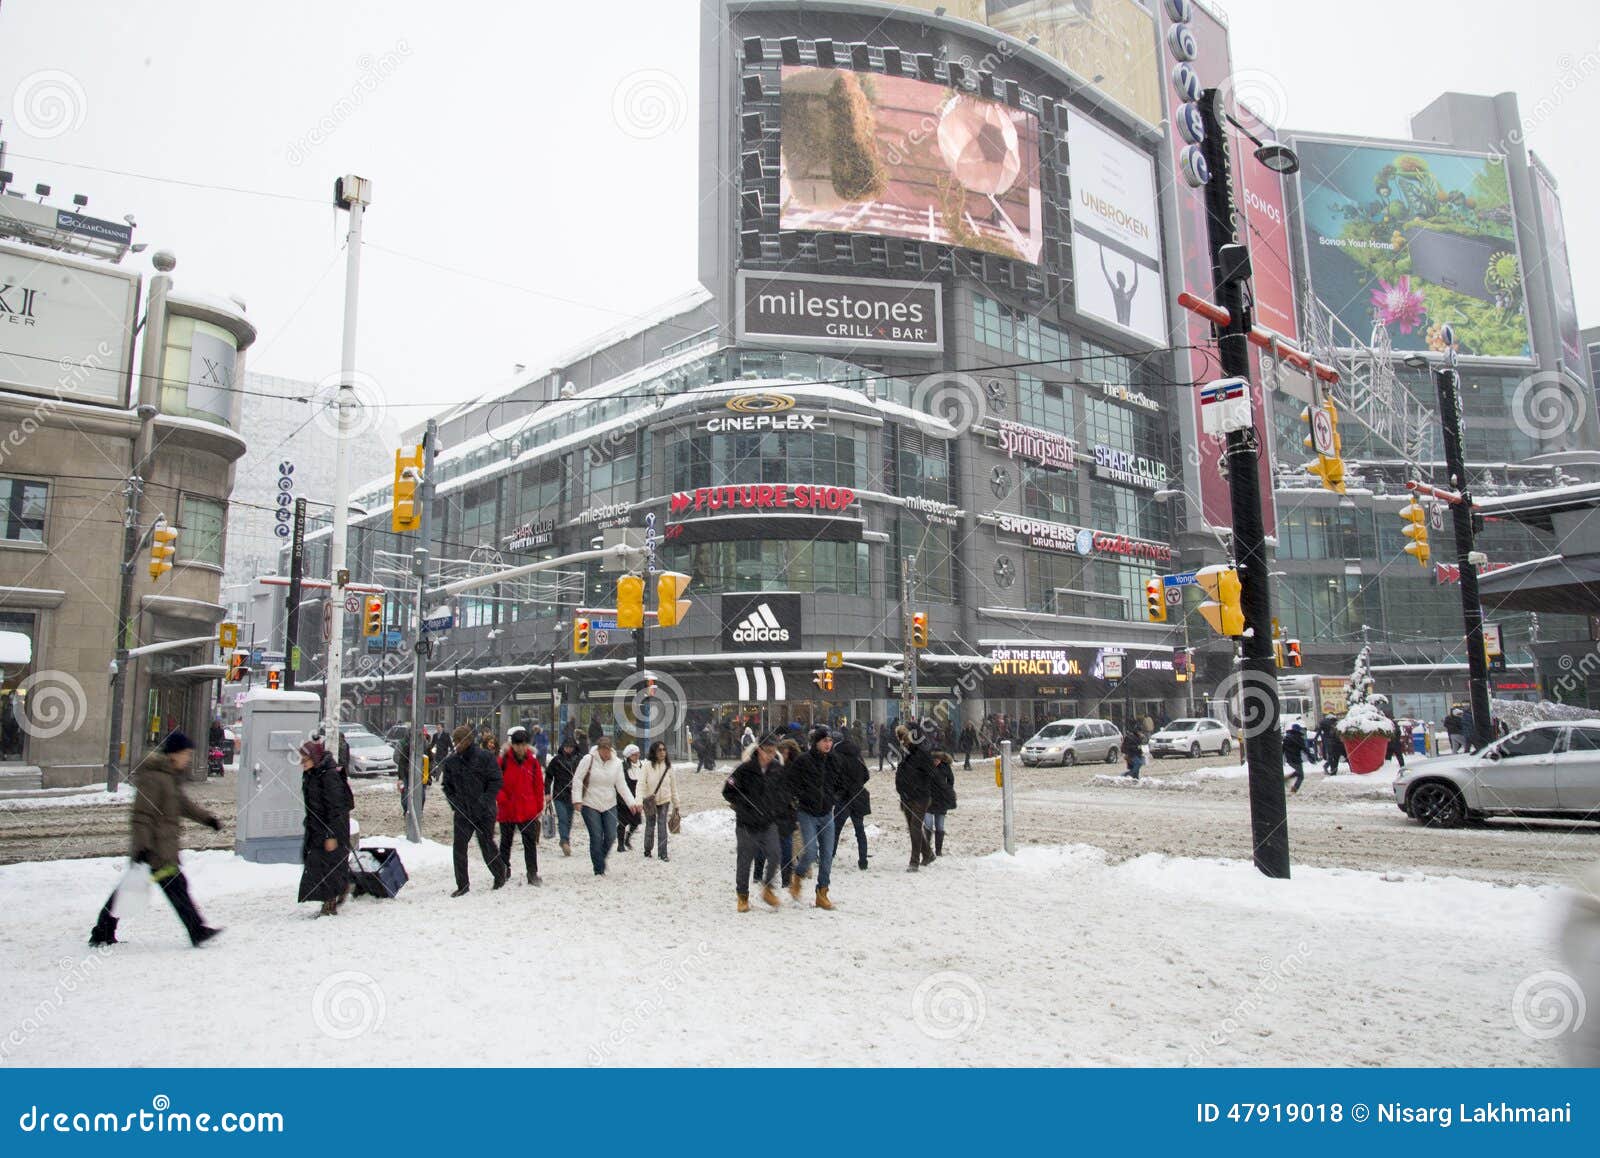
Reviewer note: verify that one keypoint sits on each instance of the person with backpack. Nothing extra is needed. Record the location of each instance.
(752, 791)
(941, 802)
(660, 798)
(1294, 754)
(598, 784)
(519, 803)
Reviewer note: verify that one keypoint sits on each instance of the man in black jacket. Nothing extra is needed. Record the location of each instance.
(815, 783)
(913, 781)
(752, 790)
(851, 804)
(471, 783)
(558, 787)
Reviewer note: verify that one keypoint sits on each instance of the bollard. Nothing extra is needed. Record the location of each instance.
(1008, 819)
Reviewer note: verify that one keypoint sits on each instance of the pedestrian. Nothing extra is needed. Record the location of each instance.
(913, 781)
(1294, 754)
(1332, 744)
(442, 747)
(746, 738)
(1133, 750)
(158, 807)
(884, 739)
(325, 848)
(1398, 743)
(216, 736)
(471, 785)
(968, 741)
(1452, 730)
(785, 820)
(752, 791)
(558, 784)
(941, 802)
(541, 744)
(598, 784)
(708, 748)
(402, 773)
(814, 782)
(628, 818)
(519, 803)
(852, 805)
(660, 797)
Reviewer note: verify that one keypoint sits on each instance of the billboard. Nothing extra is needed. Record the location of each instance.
(840, 313)
(1411, 238)
(1116, 232)
(66, 329)
(1112, 41)
(887, 155)
(1560, 269)
(1262, 202)
(761, 622)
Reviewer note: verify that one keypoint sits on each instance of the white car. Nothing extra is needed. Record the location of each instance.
(369, 756)
(1543, 770)
(1066, 742)
(1191, 738)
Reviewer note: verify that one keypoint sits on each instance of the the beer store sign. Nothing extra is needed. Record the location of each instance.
(530, 535)
(757, 413)
(840, 312)
(1070, 540)
(1134, 470)
(1130, 397)
(1034, 444)
(764, 497)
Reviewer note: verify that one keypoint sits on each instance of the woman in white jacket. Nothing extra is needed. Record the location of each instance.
(597, 783)
(659, 789)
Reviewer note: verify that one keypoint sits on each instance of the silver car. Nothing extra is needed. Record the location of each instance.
(1544, 770)
(369, 756)
(1067, 742)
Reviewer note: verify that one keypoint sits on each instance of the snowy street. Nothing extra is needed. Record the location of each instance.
(1065, 954)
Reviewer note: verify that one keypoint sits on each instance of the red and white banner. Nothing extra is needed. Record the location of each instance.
(762, 497)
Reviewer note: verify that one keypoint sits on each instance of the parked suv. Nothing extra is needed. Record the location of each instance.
(1067, 742)
(1542, 770)
(1191, 738)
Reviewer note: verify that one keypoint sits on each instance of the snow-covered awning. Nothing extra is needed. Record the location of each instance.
(16, 649)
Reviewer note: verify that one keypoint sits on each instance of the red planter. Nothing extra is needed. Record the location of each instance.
(1366, 754)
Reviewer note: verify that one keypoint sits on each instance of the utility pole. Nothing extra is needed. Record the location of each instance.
(1446, 383)
(291, 615)
(908, 650)
(150, 358)
(353, 194)
(1230, 265)
(420, 646)
(646, 707)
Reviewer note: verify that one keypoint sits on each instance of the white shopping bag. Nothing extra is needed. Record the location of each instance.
(132, 895)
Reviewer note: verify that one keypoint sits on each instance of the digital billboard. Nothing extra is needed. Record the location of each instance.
(887, 155)
(1560, 269)
(1111, 42)
(1413, 238)
(1116, 232)
(1272, 279)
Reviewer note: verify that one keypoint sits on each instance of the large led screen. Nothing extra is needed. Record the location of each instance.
(1411, 239)
(867, 153)
(1116, 231)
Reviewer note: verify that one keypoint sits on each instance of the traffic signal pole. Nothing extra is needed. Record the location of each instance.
(420, 647)
(291, 615)
(1230, 264)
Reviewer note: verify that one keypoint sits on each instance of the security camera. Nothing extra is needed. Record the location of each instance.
(569, 391)
(411, 474)
(128, 217)
(1477, 558)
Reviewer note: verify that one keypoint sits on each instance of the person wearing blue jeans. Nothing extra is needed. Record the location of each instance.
(600, 787)
(602, 826)
(564, 823)
(813, 783)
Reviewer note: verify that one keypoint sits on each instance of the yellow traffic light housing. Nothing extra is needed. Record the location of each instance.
(1155, 599)
(163, 548)
(372, 616)
(671, 607)
(580, 636)
(919, 629)
(406, 513)
(1416, 530)
(630, 602)
(1222, 610)
(235, 669)
(1327, 467)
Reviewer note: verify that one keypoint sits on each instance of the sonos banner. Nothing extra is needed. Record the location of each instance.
(760, 622)
(840, 313)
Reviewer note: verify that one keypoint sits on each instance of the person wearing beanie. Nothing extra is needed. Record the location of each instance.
(628, 817)
(751, 790)
(519, 803)
(558, 783)
(852, 803)
(158, 808)
(913, 781)
(325, 849)
(471, 784)
(941, 802)
(813, 783)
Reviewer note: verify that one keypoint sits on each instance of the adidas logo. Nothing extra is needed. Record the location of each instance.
(761, 626)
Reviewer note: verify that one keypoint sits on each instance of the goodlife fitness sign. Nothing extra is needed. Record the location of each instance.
(843, 313)
(1084, 541)
(765, 497)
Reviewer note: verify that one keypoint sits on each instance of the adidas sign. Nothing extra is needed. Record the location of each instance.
(760, 626)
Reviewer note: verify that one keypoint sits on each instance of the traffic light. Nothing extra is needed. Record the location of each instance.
(274, 680)
(1292, 649)
(671, 607)
(630, 602)
(1328, 467)
(236, 668)
(823, 678)
(1180, 664)
(372, 616)
(1222, 610)
(163, 548)
(1277, 652)
(406, 513)
(1416, 529)
(919, 629)
(580, 637)
(1155, 599)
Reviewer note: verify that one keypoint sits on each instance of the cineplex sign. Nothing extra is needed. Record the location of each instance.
(765, 497)
(1085, 541)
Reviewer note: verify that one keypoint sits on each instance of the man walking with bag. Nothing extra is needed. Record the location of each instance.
(471, 784)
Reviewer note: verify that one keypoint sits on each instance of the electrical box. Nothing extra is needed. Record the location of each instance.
(271, 815)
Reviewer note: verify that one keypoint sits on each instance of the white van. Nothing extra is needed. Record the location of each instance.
(1067, 742)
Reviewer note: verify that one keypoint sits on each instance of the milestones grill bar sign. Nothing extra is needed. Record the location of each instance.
(840, 312)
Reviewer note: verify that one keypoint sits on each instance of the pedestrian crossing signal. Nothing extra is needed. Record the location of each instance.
(274, 680)
(406, 514)
(235, 669)
(919, 629)
(1222, 610)
(1292, 649)
(1155, 599)
(580, 637)
(823, 678)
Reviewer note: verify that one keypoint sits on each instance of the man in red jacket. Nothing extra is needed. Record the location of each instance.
(520, 802)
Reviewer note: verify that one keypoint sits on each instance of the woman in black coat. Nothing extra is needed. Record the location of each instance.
(852, 805)
(942, 801)
(913, 781)
(325, 850)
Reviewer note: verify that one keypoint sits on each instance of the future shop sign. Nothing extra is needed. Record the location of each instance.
(844, 313)
(767, 496)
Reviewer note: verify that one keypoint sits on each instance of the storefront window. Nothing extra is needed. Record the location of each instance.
(826, 459)
(774, 565)
(22, 504)
(197, 376)
(934, 578)
(1129, 512)
(479, 510)
(12, 675)
(1054, 584)
(1044, 404)
(1049, 494)
(200, 530)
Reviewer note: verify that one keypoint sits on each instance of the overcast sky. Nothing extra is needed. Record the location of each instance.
(534, 165)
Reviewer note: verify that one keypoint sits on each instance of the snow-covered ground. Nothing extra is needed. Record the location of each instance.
(1054, 956)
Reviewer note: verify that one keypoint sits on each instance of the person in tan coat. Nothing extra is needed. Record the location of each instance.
(159, 807)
